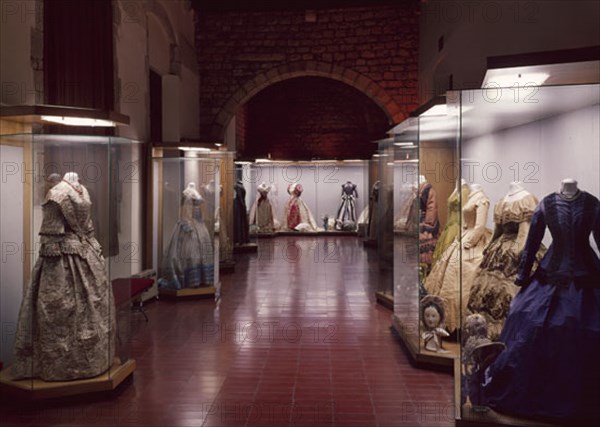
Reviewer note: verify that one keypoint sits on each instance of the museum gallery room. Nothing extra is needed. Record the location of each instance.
(299, 213)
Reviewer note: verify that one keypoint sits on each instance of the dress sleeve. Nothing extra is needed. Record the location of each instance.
(596, 226)
(524, 227)
(532, 245)
(479, 229)
(431, 210)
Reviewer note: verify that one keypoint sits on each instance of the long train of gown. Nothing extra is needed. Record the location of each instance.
(552, 333)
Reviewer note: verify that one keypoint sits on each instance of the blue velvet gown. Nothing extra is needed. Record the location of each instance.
(551, 366)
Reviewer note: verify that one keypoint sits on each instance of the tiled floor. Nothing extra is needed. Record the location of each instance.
(296, 340)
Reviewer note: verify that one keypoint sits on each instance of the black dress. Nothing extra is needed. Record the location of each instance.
(240, 215)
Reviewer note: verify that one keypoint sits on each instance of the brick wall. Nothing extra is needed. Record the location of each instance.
(311, 118)
(241, 53)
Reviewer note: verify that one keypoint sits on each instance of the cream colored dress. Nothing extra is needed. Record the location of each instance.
(448, 275)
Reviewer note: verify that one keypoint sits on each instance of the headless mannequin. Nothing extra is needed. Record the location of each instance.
(515, 192)
(476, 188)
(459, 185)
(422, 179)
(568, 188)
(191, 191)
(71, 177)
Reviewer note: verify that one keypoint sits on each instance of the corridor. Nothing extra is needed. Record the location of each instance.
(296, 340)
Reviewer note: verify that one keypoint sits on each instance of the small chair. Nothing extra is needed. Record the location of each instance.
(129, 291)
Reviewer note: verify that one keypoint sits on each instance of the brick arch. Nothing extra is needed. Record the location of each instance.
(305, 69)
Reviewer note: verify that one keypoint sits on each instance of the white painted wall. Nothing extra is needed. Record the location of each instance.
(475, 30)
(540, 154)
(145, 35)
(322, 183)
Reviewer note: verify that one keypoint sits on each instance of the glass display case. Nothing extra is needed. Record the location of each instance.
(527, 299)
(70, 233)
(425, 222)
(319, 197)
(187, 186)
(382, 220)
(224, 213)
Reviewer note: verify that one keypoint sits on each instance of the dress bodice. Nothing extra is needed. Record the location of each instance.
(454, 203)
(474, 217)
(570, 258)
(240, 192)
(515, 211)
(67, 225)
(190, 208)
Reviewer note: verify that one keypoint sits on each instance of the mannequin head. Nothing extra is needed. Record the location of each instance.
(432, 312)
(431, 317)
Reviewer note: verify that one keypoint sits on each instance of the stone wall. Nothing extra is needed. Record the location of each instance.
(241, 53)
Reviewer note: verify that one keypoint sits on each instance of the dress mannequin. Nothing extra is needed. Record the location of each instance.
(457, 266)
(475, 188)
(71, 177)
(67, 322)
(568, 188)
(493, 288)
(261, 212)
(422, 179)
(556, 309)
(297, 213)
(456, 201)
(515, 191)
(191, 191)
(346, 214)
(459, 184)
(188, 261)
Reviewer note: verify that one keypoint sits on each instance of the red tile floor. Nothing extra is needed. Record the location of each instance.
(296, 340)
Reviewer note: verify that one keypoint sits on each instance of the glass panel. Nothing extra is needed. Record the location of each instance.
(17, 245)
(385, 217)
(405, 225)
(439, 227)
(187, 260)
(75, 198)
(527, 338)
